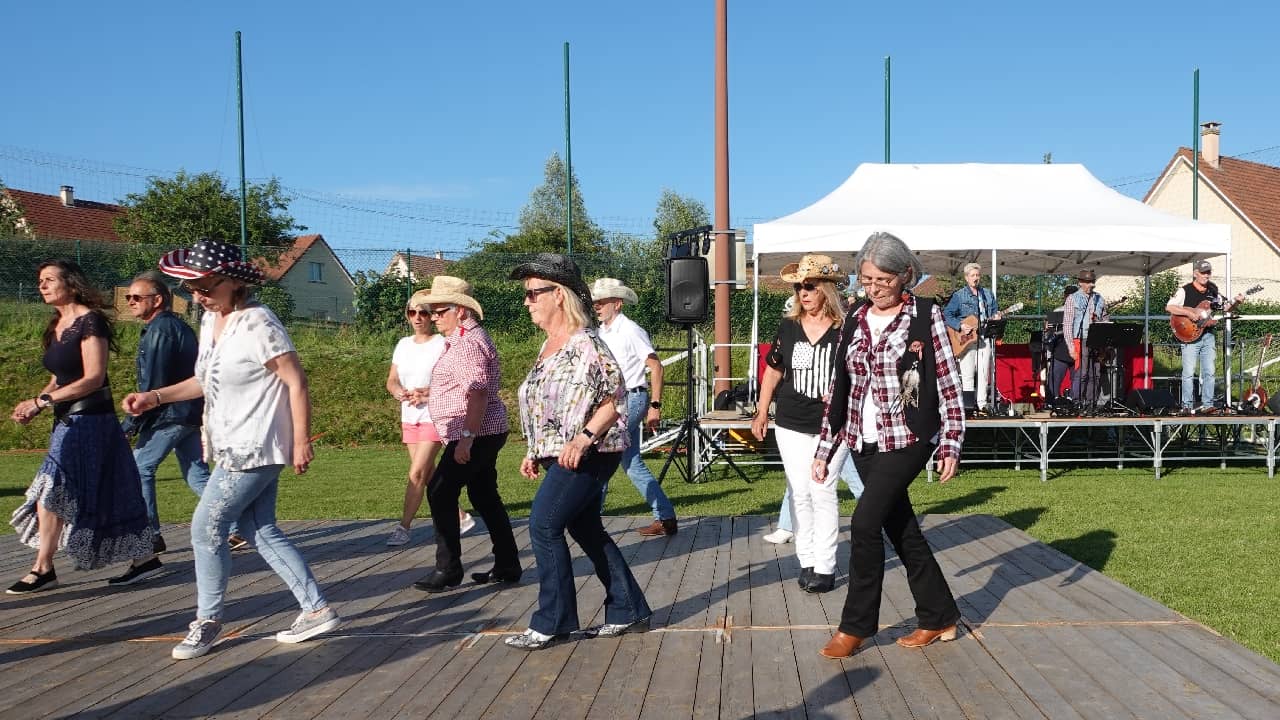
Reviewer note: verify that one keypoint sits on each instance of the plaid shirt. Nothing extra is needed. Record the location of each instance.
(469, 362)
(876, 369)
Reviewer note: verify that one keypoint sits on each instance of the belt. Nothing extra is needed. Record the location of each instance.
(98, 402)
(868, 449)
(642, 388)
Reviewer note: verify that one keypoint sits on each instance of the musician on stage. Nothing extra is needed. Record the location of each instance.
(967, 303)
(1080, 311)
(1185, 302)
(1059, 358)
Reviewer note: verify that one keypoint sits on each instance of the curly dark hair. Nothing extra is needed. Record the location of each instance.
(84, 293)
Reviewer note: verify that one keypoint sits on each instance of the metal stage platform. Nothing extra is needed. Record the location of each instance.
(1042, 441)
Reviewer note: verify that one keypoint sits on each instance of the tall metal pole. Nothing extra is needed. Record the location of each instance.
(887, 85)
(568, 161)
(244, 214)
(723, 235)
(1195, 144)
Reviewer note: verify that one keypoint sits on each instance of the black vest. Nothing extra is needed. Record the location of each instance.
(1193, 297)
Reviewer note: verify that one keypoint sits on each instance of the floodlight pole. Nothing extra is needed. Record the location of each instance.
(244, 215)
(723, 235)
(887, 86)
(568, 162)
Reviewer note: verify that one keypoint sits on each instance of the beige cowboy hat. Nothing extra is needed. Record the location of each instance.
(607, 288)
(814, 267)
(449, 290)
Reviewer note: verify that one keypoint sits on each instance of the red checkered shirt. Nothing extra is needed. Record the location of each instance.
(878, 371)
(469, 362)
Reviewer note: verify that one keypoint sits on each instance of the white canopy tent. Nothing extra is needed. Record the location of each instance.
(1019, 219)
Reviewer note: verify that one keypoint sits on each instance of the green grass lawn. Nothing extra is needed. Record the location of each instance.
(1203, 541)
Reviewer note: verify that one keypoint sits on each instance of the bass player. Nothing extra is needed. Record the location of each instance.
(1080, 311)
(1187, 302)
(966, 311)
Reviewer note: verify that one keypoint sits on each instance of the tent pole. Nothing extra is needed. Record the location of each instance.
(753, 355)
(1146, 328)
(1226, 335)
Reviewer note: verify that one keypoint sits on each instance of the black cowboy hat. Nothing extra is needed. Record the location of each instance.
(558, 269)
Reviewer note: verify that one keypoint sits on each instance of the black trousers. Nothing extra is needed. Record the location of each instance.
(480, 478)
(884, 505)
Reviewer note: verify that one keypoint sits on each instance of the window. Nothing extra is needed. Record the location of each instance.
(315, 272)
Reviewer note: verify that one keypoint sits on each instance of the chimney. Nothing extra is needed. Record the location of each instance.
(68, 196)
(439, 254)
(1209, 135)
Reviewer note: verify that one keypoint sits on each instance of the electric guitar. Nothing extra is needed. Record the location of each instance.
(1189, 331)
(1256, 398)
(1105, 310)
(967, 335)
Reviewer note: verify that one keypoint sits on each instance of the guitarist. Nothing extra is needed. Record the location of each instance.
(1204, 349)
(1059, 358)
(966, 311)
(1081, 310)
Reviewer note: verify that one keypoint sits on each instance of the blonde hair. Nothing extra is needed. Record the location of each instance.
(575, 315)
(831, 305)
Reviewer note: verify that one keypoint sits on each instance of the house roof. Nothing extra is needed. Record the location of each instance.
(423, 266)
(301, 244)
(84, 220)
(1252, 187)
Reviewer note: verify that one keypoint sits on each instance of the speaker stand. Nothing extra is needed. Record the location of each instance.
(691, 428)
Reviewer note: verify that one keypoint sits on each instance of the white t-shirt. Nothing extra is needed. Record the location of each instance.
(870, 411)
(247, 419)
(630, 345)
(414, 362)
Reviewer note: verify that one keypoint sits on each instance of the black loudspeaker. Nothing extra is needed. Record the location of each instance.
(1273, 404)
(688, 294)
(1153, 402)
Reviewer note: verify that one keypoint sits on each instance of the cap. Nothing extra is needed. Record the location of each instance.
(1202, 266)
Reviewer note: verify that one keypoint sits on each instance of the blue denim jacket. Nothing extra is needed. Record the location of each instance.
(964, 303)
(166, 355)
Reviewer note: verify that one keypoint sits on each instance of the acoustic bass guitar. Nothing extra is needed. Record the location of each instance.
(1189, 331)
(967, 335)
(1256, 398)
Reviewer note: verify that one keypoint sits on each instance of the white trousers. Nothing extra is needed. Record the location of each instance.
(977, 363)
(815, 507)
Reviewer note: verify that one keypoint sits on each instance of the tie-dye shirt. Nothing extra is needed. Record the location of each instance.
(562, 392)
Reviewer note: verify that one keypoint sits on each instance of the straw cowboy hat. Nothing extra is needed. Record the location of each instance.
(814, 267)
(209, 257)
(450, 290)
(558, 269)
(609, 288)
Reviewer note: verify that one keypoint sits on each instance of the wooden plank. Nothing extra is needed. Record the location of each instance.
(381, 692)
(775, 679)
(736, 679)
(1032, 671)
(826, 691)
(674, 681)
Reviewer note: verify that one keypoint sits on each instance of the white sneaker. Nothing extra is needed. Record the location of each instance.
(309, 625)
(779, 536)
(398, 537)
(467, 524)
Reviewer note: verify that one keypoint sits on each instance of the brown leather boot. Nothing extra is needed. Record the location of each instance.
(841, 646)
(922, 637)
(658, 528)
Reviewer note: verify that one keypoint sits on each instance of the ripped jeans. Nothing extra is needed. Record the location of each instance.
(248, 498)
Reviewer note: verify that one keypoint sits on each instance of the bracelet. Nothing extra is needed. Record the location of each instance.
(36, 401)
(159, 401)
(590, 435)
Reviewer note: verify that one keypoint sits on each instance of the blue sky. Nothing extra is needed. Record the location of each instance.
(457, 105)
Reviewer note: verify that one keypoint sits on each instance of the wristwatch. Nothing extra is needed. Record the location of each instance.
(656, 405)
(467, 433)
(47, 399)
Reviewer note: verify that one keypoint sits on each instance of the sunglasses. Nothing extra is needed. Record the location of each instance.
(437, 312)
(805, 286)
(191, 288)
(138, 298)
(413, 313)
(532, 293)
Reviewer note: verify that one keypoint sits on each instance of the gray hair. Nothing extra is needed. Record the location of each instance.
(157, 283)
(970, 266)
(891, 255)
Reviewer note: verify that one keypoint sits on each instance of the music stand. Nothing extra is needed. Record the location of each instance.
(1114, 336)
(991, 331)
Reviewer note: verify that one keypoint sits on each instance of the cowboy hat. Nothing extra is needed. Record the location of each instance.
(209, 257)
(814, 267)
(449, 290)
(608, 288)
(1086, 275)
(558, 269)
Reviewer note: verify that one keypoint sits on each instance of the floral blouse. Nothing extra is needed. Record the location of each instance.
(562, 391)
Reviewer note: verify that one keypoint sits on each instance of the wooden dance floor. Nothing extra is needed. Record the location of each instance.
(733, 637)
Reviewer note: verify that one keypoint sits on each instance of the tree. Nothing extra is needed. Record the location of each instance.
(10, 214)
(174, 212)
(542, 218)
(675, 213)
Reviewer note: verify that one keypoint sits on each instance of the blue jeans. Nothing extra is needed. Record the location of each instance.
(848, 473)
(646, 484)
(248, 497)
(569, 500)
(1206, 351)
(153, 445)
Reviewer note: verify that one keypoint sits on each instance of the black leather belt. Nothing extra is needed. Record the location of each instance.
(98, 402)
(642, 388)
(868, 449)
